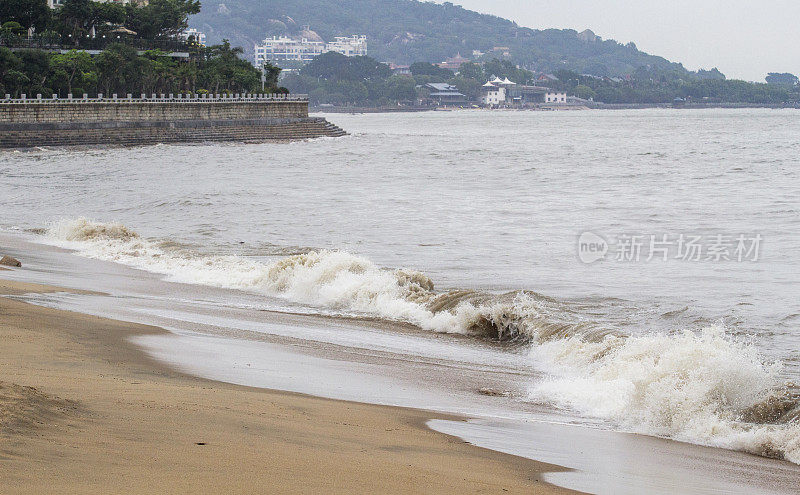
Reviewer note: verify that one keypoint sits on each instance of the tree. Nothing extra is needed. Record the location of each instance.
(223, 69)
(271, 74)
(28, 13)
(11, 32)
(585, 92)
(36, 65)
(72, 63)
(784, 79)
(467, 86)
(335, 66)
(400, 88)
(8, 62)
(160, 18)
(74, 17)
(471, 70)
(428, 69)
(119, 69)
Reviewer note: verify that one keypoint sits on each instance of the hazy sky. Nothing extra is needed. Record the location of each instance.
(744, 39)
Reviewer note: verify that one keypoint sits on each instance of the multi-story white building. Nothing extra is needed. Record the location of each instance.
(199, 36)
(351, 46)
(284, 49)
(493, 94)
(281, 48)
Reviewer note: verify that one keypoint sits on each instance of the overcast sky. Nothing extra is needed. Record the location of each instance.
(745, 39)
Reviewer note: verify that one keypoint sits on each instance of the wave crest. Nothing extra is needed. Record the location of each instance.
(703, 387)
(82, 229)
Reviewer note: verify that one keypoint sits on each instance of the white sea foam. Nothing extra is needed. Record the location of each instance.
(329, 279)
(702, 387)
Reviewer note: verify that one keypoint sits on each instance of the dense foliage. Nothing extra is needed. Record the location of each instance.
(784, 79)
(119, 69)
(332, 78)
(362, 81)
(650, 86)
(124, 65)
(82, 22)
(406, 31)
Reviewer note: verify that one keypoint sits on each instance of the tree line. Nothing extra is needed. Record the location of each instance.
(335, 79)
(123, 66)
(77, 22)
(121, 69)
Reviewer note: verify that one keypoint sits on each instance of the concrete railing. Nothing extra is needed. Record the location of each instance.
(157, 98)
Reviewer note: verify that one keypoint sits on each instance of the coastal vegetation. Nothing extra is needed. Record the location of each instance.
(363, 81)
(651, 86)
(136, 51)
(424, 34)
(408, 31)
(45, 51)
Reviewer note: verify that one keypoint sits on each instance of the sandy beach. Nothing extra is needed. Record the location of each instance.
(84, 411)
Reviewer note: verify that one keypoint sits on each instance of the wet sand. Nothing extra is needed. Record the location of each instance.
(82, 410)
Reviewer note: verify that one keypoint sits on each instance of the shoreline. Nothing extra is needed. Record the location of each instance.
(550, 108)
(89, 411)
(285, 357)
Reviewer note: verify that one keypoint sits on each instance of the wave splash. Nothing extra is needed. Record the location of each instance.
(334, 280)
(701, 387)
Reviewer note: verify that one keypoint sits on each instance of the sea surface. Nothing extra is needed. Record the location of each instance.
(636, 270)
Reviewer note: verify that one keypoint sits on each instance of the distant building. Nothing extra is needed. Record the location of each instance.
(493, 95)
(547, 78)
(532, 94)
(299, 51)
(283, 49)
(400, 70)
(351, 46)
(503, 51)
(445, 94)
(454, 63)
(500, 92)
(198, 36)
(555, 97)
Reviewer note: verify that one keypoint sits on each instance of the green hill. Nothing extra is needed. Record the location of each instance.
(405, 31)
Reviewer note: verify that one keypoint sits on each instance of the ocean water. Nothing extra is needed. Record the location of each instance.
(644, 263)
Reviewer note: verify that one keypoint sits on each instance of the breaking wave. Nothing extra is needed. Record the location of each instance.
(703, 387)
(334, 280)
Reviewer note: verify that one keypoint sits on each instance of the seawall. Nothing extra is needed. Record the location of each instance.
(30, 122)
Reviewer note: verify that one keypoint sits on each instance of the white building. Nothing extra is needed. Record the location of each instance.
(199, 36)
(498, 92)
(282, 49)
(555, 97)
(493, 95)
(351, 46)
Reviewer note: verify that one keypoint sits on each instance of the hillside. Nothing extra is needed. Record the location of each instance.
(405, 31)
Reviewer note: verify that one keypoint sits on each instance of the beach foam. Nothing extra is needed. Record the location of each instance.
(702, 387)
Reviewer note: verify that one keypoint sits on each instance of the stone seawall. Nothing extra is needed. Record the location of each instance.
(129, 122)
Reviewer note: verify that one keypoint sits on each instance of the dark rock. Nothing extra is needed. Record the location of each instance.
(9, 261)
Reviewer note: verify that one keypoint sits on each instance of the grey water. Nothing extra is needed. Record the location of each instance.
(494, 203)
